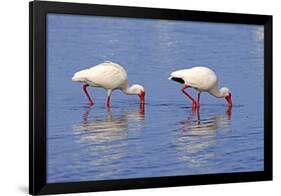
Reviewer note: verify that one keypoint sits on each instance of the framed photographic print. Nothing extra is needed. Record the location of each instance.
(130, 97)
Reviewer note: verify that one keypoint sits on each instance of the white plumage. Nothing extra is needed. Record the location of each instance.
(110, 76)
(106, 75)
(202, 79)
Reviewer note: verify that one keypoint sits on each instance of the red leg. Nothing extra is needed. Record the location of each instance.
(108, 101)
(193, 100)
(198, 100)
(87, 94)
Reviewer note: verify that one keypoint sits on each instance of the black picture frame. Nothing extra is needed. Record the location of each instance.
(37, 97)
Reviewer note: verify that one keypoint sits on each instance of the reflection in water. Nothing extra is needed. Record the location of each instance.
(109, 128)
(104, 140)
(197, 135)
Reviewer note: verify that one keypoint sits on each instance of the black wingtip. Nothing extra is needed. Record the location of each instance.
(180, 80)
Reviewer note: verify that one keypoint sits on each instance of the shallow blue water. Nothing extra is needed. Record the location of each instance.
(165, 138)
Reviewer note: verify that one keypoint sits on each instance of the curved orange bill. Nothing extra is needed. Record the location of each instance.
(141, 96)
(228, 99)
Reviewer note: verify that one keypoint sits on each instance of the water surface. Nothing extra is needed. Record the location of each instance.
(165, 137)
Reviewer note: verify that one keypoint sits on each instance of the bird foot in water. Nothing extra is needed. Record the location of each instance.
(194, 105)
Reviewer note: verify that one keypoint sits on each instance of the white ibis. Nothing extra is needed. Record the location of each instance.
(110, 76)
(202, 79)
